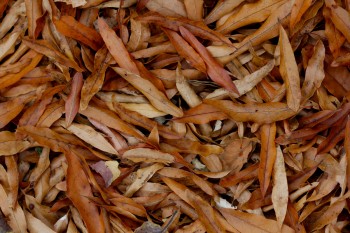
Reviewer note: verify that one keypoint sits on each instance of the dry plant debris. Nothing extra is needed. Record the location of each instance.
(174, 116)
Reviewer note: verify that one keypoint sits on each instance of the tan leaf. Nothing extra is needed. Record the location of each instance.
(174, 8)
(194, 9)
(221, 9)
(142, 176)
(269, 29)
(91, 136)
(16, 217)
(140, 34)
(9, 145)
(280, 194)
(289, 71)
(250, 13)
(314, 73)
(299, 8)
(34, 12)
(246, 222)
(157, 98)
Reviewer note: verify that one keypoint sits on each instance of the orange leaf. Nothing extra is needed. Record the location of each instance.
(267, 155)
(299, 8)
(10, 79)
(215, 71)
(340, 18)
(9, 110)
(69, 27)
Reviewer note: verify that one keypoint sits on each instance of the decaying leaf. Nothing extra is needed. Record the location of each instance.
(174, 116)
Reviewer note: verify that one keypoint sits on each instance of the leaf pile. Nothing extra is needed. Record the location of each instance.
(174, 116)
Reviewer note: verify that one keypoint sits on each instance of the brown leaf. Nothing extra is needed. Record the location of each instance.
(269, 29)
(246, 174)
(236, 154)
(44, 47)
(174, 8)
(215, 71)
(34, 11)
(185, 50)
(246, 222)
(340, 17)
(254, 12)
(198, 28)
(267, 155)
(116, 47)
(69, 27)
(314, 73)
(187, 146)
(222, 8)
(79, 191)
(289, 72)
(201, 114)
(299, 8)
(9, 110)
(95, 81)
(257, 112)
(111, 120)
(73, 100)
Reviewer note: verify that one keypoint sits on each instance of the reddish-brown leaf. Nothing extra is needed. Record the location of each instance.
(215, 71)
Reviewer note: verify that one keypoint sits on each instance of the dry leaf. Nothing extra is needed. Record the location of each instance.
(267, 155)
(289, 72)
(73, 100)
(108, 170)
(280, 192)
